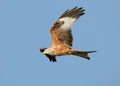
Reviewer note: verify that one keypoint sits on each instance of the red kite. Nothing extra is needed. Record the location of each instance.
(62, 36)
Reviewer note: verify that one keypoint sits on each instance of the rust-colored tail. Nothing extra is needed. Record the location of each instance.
(83, 54)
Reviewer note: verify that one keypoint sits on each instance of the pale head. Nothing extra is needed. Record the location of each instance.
(49, 51)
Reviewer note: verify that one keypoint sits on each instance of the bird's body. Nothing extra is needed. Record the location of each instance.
(62, 36)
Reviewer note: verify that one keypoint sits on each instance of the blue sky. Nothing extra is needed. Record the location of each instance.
(24, 28)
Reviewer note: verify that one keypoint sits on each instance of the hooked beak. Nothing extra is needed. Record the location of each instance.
(42, 49)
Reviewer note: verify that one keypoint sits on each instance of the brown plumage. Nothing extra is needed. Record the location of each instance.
(62, 37)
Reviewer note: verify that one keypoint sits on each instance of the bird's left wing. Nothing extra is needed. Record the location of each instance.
(61, 30)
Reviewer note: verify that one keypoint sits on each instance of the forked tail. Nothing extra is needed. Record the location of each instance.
(83, 54)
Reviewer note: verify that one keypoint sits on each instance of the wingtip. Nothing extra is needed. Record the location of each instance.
(75, 12)
(92, 51)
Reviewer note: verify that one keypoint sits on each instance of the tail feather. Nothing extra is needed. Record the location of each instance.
(83, 54)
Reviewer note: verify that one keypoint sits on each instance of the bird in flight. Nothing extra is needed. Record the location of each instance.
(62, 37)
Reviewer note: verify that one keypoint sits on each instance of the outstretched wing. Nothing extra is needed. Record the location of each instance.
(61, 30)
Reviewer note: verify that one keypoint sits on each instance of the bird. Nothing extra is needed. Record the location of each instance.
(62, 39)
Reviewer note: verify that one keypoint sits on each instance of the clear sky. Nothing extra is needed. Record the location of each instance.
(24, 28)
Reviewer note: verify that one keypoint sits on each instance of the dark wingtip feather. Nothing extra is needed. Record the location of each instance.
(51, 58)
(74, 13)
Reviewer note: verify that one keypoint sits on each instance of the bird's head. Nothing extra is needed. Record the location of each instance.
(47, 51)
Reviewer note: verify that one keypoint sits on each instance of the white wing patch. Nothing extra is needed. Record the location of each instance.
(68, 22)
